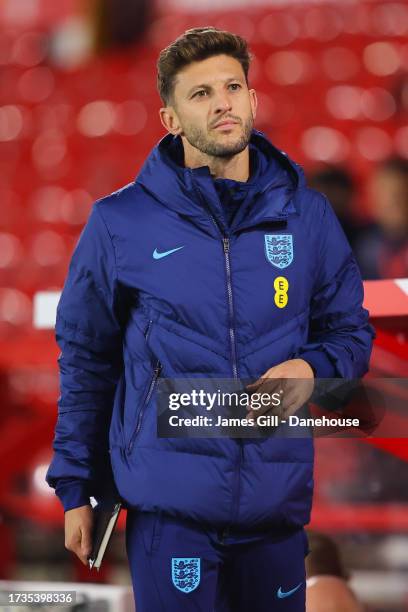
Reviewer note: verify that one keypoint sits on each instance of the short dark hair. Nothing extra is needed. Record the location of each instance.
(195, 45)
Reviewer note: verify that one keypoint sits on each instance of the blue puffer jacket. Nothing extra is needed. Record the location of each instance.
(209, 308)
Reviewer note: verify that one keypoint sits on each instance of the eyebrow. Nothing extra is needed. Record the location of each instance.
(207, 86)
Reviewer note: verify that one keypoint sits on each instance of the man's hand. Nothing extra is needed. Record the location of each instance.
(78, 531)
(293, 380)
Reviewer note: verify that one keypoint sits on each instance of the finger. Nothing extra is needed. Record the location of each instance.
(253, 411)
(77, 550)
(83, 558)
(255, 384)
(272, 373)
(86, 542)
(274, 385)
(269, 387)
(292, 404)
(268, 407)
(289, 398)
(298, 394)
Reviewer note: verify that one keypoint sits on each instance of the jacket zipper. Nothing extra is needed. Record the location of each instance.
(147, 331)
(152, 384)
(226, 244)
(235, 492)
(139, 420)
(226, 248)
(235, 506)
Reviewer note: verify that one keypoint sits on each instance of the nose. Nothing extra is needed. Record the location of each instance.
(222, 103)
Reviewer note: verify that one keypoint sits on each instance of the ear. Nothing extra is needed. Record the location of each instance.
(169, 120)
(254, 101)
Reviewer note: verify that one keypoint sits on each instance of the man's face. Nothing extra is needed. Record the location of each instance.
(210, 92)
(389, 196)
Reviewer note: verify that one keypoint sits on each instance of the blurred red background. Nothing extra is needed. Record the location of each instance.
(78, 115)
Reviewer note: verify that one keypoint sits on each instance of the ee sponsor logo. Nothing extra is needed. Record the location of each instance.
(281, 287)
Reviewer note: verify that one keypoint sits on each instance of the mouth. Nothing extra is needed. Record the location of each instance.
(225, 125)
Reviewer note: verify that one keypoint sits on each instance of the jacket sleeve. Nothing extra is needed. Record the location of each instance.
(88, 332)
(340, 337)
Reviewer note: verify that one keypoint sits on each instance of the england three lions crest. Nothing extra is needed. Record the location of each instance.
(185, 573)
(279, 249)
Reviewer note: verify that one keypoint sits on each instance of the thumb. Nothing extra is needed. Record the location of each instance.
(255, 384)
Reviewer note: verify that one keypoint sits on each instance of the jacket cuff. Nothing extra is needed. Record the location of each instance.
(320, 364)
(73, 494)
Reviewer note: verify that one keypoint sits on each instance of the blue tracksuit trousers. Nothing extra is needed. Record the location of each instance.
(181, 566)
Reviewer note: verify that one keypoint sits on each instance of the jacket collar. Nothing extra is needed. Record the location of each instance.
(191, 192)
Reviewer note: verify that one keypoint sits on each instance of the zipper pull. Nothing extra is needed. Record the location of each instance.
(225, 242)
(157, 369)
(147, 330)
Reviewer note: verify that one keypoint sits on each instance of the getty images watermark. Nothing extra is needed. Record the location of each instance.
(285, 407)
(253, 402)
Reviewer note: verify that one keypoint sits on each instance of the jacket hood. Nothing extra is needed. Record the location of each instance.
(189, 191)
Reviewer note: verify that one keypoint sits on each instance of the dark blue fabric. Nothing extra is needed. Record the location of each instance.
(237, 573)
(122, 313)
(72, 493)
(232, 193)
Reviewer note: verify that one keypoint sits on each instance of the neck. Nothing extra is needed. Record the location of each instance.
(235, 167)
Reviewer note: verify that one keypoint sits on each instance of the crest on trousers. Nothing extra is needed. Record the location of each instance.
(185, 573)
(279, 249)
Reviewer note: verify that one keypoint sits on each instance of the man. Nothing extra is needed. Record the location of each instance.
(382, 248)
(216, 262)
(338, 186)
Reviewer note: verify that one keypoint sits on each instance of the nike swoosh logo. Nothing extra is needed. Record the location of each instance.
(157, 255)
(281, 594)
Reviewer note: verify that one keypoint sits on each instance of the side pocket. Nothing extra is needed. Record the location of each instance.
(117, 429)
(149, 527)
(149, 393)
(157, 529)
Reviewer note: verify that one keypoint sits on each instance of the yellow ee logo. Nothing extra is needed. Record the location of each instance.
(281, 287)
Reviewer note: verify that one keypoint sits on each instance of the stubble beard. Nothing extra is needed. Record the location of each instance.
(215, 147)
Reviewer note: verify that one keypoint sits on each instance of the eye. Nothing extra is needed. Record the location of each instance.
(235, 85)
(198, 93)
